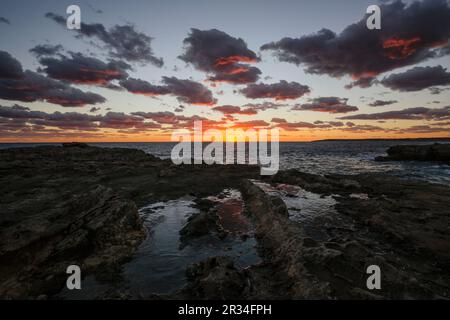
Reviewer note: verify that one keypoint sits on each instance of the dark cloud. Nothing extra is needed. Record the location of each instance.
(42, 50)
(292, 126)
(424, 129)
(223, 57)
(20, 112)
(29, 86)
(186, 91)
(336, 123)
(120, 120)
(70, 120)
(229, 110)
(300, 125)
(282, 90)
(180, 108)
(435, 90)
(138, 86)
(122, 41)
(172, 121)
(410, 33)
(4, 20)
(326, 104)
(163, 117)
(417, 79)
(266, 105)
(80, 69)
(420, 113)
(380, 103)
(364, 82)
(35, 87)
(10, 68)
(17, 118)
(364, 128)
(238, 74)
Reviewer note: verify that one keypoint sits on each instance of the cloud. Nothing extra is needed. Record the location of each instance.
(20, 112)
(364, 128)
(223, 57)
(292, 126)
(229, 110)
(70, 120)
(17, 118)
(10, 68)
(80, 69)
(143, 87)
(420, 113)
(172, 121)
(282, 90)
(180, 108)
(35, 87)
(380, 103)
(425, 129)
(250, 124)
(4, 20)
(29, 86)
(186, 91)
(120, 120)
(364, 82)
(237, 74)
(42, 50)
(417, 79)
(266, 105)
(300, 125)
(163, 117)
(352, 127)
(122, 41)
(435, 90)
(406, 37)
(326, 104)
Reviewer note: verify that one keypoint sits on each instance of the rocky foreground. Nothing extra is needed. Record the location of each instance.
(78, 205)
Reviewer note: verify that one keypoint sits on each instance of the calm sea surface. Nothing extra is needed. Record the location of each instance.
(322, 157)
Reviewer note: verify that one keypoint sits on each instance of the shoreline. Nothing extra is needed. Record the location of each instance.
(376, 219)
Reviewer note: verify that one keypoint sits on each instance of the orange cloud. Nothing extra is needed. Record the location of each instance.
(400, 48)
(232, 59)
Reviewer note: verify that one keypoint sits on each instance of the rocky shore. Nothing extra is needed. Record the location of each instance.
(433, 152)
(78, 204)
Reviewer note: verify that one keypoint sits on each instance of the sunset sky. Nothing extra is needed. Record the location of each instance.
(137, 70)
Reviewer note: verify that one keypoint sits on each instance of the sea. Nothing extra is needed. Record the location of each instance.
(319, 157)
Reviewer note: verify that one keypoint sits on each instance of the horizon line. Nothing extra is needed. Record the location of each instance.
(284, 141)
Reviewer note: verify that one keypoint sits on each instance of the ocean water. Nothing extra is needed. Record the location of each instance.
(324, 157)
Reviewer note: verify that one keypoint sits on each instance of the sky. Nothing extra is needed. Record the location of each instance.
(139, 70)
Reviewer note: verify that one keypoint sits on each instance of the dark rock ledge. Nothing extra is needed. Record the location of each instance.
(434, 152)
